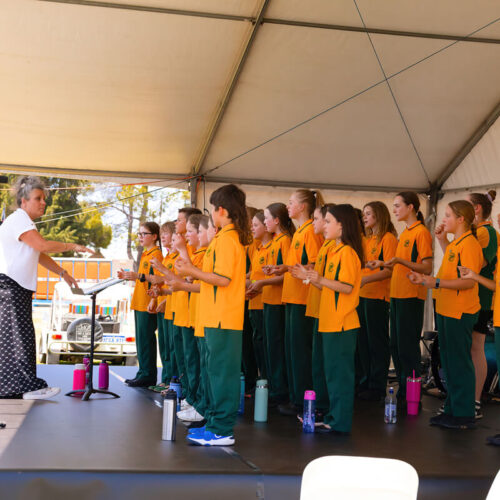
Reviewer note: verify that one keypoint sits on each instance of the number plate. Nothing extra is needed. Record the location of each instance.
(114, 339)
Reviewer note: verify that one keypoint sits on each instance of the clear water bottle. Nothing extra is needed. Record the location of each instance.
(309, 417)
(390, 408)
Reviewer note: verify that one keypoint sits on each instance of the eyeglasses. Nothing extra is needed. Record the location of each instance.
(143, 234)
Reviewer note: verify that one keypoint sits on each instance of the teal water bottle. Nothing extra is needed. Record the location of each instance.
(261, 393)
(241, 407)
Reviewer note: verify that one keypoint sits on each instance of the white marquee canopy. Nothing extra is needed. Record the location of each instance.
(345, 94)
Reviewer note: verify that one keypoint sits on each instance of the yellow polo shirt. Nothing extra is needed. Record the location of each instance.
(140, 297)
(303, 250)
(415, 245)
(256, 273)
(375, 249)
(276, 255)
(223, 307)
(464, 251)
(337, 311)
(314, 295)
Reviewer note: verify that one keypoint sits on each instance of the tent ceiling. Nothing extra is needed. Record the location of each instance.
(135, 89)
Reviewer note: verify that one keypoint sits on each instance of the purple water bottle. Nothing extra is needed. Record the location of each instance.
(308, 418)
(86, 362)
(103, 375)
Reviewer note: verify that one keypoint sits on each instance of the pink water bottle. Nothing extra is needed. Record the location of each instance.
(103, 375)
(413, 385)
(79, 377)
(86, 362)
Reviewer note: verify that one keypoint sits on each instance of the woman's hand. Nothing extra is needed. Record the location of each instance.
(127, 275)
(69, 279)
(389, 264)
(313, 277)
(374, 264)
(267, 270)
(279, 270)
(154, 291)
(156, 280)
(467, 274)
(299, 271)
(82, 249)
(255, 287)
(422, 279)
(152, 306)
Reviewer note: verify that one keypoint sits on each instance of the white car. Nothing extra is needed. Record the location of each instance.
(68, 335)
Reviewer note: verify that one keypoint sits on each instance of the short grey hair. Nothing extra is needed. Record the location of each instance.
(24, 185)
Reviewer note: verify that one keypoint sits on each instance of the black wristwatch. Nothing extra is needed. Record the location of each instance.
(142, 277)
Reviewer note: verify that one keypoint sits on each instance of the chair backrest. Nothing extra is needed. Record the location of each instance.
(494, 493)
(349, 478)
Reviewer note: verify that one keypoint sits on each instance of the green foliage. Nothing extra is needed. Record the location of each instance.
(72, 226)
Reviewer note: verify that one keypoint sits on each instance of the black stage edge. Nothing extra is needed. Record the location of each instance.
(112, 448)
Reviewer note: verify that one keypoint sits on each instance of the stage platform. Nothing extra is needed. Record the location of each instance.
(112, 448)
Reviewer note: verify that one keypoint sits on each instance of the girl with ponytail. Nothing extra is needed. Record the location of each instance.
(457, 307)
(413, 253)
(299, 327)
(488, 239)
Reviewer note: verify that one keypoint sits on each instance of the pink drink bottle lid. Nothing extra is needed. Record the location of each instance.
(310, 395)
(80, 366)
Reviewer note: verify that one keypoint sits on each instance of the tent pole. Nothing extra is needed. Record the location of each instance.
(434, 195)
(193, 190)
(228, 91)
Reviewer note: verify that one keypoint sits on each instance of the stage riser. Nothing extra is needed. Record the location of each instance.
(111, 486)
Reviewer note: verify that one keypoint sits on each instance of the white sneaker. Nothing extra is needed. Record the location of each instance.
(45, 393)
(185, 405)
(189, 415)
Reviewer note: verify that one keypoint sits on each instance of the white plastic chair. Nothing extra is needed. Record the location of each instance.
(494, 493)
(353, 478)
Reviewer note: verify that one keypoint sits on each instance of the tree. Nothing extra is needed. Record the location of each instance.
(136, 204)
(65, 217)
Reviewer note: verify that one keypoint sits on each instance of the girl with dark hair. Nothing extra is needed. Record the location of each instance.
(312, 310)
(373, 350)
(338, 322)
(255, 303)
(221, 310)
(299, 327)
(281, 227)
(144, 314)
(413, 253)
(457, 307)
(488, 239)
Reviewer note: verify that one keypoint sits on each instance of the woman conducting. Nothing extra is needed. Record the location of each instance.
(21, 250)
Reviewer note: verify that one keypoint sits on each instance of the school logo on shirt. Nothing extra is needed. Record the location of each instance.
(406, 243)
(169, 266)
(320, 259)
(272, 252)
(297, 245)
(261, 260)
(451, 256)
(374, 250)
(145, 265)
(207, 253)
(330, 267)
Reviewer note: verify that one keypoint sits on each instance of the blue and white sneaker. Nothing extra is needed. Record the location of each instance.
(210, 439)
(197, 430)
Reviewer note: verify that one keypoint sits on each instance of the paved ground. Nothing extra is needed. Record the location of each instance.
(12, 412)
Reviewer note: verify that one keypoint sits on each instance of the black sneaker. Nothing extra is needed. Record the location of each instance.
(197, 425)
(438, 419)
(141, 382)
(462, 423)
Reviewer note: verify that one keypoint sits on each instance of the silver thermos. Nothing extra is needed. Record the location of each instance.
(169, 416)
